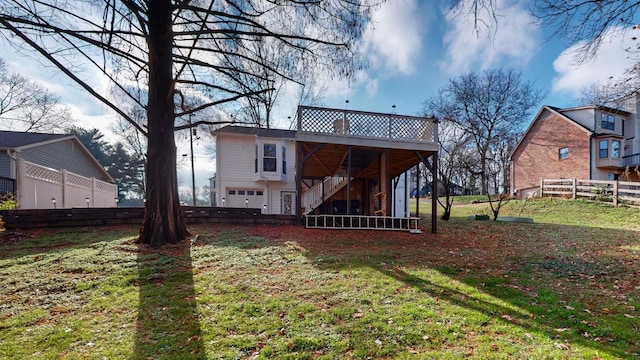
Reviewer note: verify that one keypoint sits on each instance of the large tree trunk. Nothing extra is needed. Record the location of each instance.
(163, 221)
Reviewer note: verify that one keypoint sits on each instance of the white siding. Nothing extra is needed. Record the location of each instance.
(6, 166)
(60, 155)
(235, 170)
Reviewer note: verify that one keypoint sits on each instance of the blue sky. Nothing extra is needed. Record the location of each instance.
(413, 48)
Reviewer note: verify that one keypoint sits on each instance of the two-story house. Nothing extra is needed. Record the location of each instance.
(587, 142)
(252, 169)
(337, 162)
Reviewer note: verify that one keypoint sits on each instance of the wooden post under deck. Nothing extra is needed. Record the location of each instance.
(434, 195)
(299, 164)
(349, 180)
(418, 190)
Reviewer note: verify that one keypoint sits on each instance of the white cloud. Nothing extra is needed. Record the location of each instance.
(610, 62)
(362, 79)
(394, 36)
(512, 38)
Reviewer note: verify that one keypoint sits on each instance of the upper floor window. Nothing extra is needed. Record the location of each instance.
(615, 149)
(269, 160)
(608, 122)
(563, 153)
(603, 149)
(284, 160)
(255, 162)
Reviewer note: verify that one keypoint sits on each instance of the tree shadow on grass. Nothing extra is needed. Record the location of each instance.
(570, 284)
(168, 325)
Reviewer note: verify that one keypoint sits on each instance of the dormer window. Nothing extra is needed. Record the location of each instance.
(608, 122)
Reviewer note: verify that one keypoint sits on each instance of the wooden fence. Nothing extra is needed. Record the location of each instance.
(613, 192)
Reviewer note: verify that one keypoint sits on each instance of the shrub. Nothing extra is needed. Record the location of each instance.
(7, 201)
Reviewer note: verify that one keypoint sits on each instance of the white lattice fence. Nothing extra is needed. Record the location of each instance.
(364, 124)
(40, 187)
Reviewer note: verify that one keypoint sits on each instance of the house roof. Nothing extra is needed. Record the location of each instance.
(596, 107)
(17, 139)
(255, 131)
(557, 111)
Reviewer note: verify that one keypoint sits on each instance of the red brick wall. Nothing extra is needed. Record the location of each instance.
(537, 155)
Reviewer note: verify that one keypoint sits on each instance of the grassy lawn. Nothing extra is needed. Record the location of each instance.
(565, 287)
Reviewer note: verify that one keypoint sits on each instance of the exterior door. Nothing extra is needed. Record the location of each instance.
(288, 203)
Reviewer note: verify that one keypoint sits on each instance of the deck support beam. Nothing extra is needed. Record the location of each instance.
(299, 165)
(434, 195)
(418, 190)
(349, 180)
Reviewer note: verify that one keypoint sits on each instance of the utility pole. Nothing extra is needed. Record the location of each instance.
(193, 173)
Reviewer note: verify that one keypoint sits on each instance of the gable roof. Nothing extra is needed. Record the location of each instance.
(556, 111)
(17, 139)
(255, 131)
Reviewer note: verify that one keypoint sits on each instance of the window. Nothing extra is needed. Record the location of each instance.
(284, 160)
(603, 148)
(245, 192)
(255, 162)
(269, 158)
(608, 122)
(615, 149)
(563, 153)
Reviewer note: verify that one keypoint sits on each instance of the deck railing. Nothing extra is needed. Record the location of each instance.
(631, 160)
(361, 222)
(314, 197)
(323, 121)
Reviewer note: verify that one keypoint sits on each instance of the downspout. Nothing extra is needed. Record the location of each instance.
(591, 141)
(591, 157)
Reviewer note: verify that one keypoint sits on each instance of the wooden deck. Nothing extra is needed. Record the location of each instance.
(371, 150)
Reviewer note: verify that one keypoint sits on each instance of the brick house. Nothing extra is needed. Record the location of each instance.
(587, 142)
